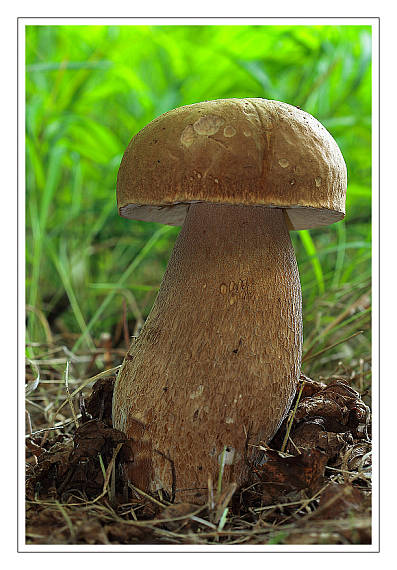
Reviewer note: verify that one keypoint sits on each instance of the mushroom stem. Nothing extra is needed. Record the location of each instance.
(217, 362)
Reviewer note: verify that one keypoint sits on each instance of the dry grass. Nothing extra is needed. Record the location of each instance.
(91, 504)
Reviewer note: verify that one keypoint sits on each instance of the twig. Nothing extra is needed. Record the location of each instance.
(69, 398)
(68, 522)
(42, 318)
(103, 374)
(108, 473)
(308, 357)
(292, 419)
(140, 492)
(53, 428)
(31, 386)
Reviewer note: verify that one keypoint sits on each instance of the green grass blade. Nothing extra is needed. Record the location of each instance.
(311, 251)
(52, 181)
(61, 266)
(341, 231)
(113, 286)
(122, 281)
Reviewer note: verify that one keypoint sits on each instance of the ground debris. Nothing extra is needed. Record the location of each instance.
(122, 533)
(328, 417)
(74, 464)
(99, 404)
(340, 408)
(306, 495)
(324, 472)
(339, 501)
(179, 516)
(71, 524)
(52, 467)
(281, 473)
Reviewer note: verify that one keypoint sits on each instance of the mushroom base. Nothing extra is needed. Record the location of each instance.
(217, 362)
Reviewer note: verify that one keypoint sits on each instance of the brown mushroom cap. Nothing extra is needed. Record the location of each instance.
(237, 152)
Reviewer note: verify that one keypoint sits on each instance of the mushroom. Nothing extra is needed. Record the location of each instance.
(216, 365)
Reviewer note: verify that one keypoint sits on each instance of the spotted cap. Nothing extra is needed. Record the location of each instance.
(233, 151)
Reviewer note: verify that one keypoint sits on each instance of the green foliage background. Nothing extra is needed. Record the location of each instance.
(89, 89)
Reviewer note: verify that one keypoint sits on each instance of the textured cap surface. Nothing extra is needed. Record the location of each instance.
(233, 151)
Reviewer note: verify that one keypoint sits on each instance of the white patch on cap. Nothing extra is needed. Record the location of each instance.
(229, 131)
(187, 136)
(208, 125)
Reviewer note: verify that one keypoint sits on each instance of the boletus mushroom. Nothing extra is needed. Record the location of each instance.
(216, 365)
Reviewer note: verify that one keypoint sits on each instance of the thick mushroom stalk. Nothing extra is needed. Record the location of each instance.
(218, 360)
(217, 363)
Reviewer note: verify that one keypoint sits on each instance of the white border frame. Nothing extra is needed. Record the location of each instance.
(272, 21)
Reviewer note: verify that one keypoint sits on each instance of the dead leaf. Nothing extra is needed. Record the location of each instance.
(180, 511)
(282, 473)
(313, 434)
(339, 501)
(99, 403)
